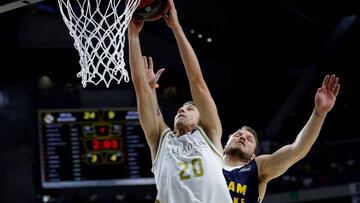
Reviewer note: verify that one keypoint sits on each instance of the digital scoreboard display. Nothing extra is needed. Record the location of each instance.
(93, 147)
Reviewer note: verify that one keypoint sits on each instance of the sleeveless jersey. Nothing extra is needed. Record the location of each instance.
(243, 182)
(189, 169)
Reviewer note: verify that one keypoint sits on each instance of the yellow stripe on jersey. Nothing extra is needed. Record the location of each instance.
(162, 136)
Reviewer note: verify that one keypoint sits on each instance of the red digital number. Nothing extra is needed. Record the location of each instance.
(107, 144)
(96, 145)
(102, 130)
(114, 144)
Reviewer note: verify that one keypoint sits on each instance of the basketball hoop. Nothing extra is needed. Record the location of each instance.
(99, 36)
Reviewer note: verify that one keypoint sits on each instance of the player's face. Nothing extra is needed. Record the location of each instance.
(187, 116)
(242, 143)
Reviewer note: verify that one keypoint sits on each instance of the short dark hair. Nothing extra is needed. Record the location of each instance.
(189, 103)
(250, 129)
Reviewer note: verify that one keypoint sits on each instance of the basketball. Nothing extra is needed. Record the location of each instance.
(150, 10)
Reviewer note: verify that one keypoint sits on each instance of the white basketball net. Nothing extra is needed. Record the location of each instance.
(99, 36)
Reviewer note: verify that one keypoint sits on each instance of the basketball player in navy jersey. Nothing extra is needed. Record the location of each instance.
(247, 175)
(188, 161)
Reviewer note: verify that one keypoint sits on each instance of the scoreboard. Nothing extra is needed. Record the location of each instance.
(92, 147)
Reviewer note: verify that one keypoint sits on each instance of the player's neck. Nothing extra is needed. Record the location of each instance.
(182, 131)
(234, 161)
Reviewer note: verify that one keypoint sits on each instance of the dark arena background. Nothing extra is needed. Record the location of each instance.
(262, 60)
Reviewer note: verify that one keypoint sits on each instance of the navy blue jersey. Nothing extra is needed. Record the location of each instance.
(243, 183)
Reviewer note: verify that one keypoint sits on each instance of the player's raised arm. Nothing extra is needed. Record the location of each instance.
(210, 120)
(146, 102)
(272, 166)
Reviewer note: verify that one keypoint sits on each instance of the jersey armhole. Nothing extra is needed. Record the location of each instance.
(206, 138)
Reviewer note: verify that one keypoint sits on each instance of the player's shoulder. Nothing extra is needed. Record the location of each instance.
(261, 159)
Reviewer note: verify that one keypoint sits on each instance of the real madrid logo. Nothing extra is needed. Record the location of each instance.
(48, 118)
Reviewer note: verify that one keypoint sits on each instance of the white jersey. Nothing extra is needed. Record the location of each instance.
(188, 169)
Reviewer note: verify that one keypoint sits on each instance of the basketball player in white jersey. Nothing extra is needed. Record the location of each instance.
(187, 162)
(247, 175)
